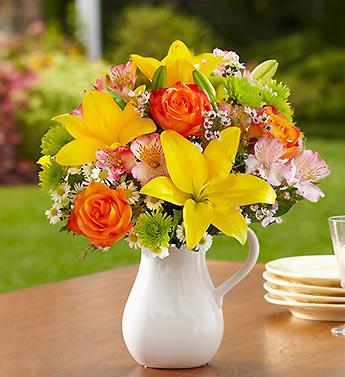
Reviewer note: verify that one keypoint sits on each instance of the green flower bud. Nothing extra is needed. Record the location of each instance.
(265, 71)
(159, 78)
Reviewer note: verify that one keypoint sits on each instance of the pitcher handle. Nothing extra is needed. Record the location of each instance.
(253, 254)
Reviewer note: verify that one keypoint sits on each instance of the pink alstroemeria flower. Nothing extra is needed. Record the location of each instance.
(267, 162)
(120, 78)
(148, 150)
(116, 162)
(305, 169)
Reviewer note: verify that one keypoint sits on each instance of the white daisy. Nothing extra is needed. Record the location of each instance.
(61, 192)
(153, 203)
(180, 233)
(131, 191)
(78, 187)
(160, 252)
(205, 243)
(132, 240)
(100, 175)
(54, 214)
(87, 170)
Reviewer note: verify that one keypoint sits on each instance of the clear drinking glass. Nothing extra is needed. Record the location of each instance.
(337, 228)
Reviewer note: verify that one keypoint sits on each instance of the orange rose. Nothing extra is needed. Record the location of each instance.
(179, 108)
(279, 127)
(101, 214)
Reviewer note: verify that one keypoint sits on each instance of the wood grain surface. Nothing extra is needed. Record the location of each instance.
(73, 329)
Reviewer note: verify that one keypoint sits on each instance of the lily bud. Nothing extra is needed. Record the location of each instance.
(159, 78)
(265, 71)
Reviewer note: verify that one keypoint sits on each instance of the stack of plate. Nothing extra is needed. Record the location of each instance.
(308, 285)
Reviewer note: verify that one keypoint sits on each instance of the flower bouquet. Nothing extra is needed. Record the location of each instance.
(168, 154)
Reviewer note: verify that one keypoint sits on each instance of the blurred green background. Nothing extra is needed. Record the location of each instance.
(44, 68)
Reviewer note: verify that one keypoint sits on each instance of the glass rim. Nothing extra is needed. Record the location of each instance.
(339, 218)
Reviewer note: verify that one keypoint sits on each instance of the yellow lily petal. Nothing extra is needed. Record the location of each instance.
(208, 62)
(197, 218)
(44, 161)
(180, 64)
(185, 162)
(102, 116)
(179, 70)
(163, 188)
(219, 154)
(74, 125)
(147, 66)
(231, 223)
(134, 126)
(177, 50)
(239, 190)
(79, 152)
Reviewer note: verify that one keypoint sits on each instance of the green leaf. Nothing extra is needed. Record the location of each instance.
(117, 98)
(159, 78)
(55, 138)
(52, 175)
(177, 217)
(265, 71)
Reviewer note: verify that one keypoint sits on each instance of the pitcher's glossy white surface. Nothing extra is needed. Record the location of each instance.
(173, 317)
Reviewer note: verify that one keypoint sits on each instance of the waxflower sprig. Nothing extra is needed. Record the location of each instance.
(205, 147)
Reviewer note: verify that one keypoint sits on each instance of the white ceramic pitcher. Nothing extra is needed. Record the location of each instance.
(173, 316)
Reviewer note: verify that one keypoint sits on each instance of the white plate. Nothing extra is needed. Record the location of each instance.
(298, 287)
(312, 269)
(299, 297)
(315, 312)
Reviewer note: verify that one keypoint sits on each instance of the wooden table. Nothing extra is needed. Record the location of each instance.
(73, 328)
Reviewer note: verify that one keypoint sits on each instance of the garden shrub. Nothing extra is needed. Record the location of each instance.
(147, 30)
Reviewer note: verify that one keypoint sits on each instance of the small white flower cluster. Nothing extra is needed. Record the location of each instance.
(265, 215)
(231, 64)
(140, 99)
(214, 121)
(204, 244)
(131, 191)
(270, 90)
(60, 196)
(262, 118)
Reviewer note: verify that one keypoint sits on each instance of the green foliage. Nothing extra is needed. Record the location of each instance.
(135, 27)
(58, 91)
(318, 90)
(55, 139)
(153, 229)
(52, 175)
(241, 91)
(276, 94)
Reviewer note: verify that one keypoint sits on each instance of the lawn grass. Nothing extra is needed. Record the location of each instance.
(34, 252)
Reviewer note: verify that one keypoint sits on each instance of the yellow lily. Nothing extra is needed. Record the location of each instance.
(203, 185)
(103, 126)
(180, 64)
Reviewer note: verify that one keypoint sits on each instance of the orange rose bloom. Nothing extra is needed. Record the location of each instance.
(179, 108)
(279, 127)
(101, 214)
